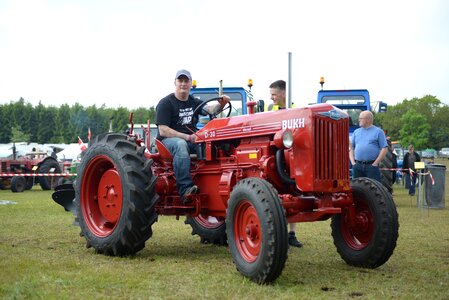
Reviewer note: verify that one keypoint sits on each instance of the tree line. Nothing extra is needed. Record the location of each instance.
(22, 122)
(423, 122)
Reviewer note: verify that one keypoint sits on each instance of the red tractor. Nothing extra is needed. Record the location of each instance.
(255, 173)
(21, 173)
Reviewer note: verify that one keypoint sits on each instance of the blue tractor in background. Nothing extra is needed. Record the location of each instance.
(239, 98)
(239, 95)
(353, 102)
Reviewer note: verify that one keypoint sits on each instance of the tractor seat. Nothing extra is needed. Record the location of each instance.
(164, 153)
(162, 150)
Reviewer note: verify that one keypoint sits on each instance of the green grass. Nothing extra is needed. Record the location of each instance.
(42, 256)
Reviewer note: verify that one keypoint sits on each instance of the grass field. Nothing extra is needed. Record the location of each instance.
(42, 256)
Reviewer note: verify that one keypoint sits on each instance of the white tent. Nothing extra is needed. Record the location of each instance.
(71, 152)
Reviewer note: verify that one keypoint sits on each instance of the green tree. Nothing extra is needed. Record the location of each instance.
(97, 121)
(17, 135)
(46, 123)
(430, 107)
(142, 115)
(440, 128)
(5, 124)
(78, 117)
(120, 119)
(32, 124)
(64, 131)
(415, 129)
(20, 113)
(391, 121)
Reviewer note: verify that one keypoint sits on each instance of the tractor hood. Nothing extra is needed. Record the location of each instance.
(267, 122)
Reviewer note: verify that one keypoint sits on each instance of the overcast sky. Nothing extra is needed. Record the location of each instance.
(126, 53)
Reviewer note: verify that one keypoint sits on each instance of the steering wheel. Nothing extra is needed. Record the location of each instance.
(214, 115)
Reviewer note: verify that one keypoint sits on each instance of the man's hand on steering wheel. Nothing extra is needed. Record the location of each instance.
(224, 104)
(223, 100)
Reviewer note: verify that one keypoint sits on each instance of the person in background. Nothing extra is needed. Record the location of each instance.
(277, 92)
(409, 164)
(367, 148)
(394, 159)
(176, 127)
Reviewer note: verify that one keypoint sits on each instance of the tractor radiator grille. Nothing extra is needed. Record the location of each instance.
(331, 149)
(3, 167)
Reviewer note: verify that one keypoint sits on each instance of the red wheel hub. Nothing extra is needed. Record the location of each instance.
(101, 196)
(109, 196)
(247, 231)
(361, 233)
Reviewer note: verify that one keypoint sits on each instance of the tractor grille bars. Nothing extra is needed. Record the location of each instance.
(331, 149)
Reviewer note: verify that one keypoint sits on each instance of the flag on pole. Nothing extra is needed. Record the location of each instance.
(81, 144)
(89, 134)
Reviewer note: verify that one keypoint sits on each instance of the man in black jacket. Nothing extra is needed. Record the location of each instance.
(409, 168)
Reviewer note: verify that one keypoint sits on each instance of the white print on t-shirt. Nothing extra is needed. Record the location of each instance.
(185, 115)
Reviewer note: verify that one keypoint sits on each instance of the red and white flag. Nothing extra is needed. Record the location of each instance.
(89, 134)
(81, 144)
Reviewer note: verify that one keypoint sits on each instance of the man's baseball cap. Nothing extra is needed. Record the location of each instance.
(183, 72)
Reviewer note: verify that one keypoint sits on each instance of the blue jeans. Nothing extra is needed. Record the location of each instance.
(180, 150)
(362, 170)
(411, 188)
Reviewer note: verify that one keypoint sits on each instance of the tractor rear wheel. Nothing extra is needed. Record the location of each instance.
(365, 234)
(387, 176)
(47, 182)
(211, 230)
(18, 184)
(257, 230)
(115, 196)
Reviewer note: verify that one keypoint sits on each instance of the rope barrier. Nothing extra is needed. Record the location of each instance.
(37, 174)
(411, 172)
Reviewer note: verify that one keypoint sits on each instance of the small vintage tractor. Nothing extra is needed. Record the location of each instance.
(21, 173)
(255, 173)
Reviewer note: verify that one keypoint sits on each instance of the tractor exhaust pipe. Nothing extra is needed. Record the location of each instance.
(280, 164)
(14, 152)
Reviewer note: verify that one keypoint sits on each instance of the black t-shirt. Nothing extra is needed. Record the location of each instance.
(177, 114)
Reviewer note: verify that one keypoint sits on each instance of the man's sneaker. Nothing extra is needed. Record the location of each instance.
(190, 191)
(292, 241)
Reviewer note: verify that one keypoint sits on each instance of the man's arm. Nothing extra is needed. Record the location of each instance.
(219, 106)
(168, 132)
(381, 156)
(351, 153)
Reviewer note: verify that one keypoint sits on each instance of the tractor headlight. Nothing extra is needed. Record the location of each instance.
(283, 139)
(287, 139)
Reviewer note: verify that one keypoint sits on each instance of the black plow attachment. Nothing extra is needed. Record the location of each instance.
(64, 195)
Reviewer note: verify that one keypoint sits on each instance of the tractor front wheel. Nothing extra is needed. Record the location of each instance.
(257, 230)
(18, 184)
(211, 230)
(115, 196)
(365, 234)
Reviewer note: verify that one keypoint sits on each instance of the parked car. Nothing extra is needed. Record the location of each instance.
(444, 153)
(429, 153)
